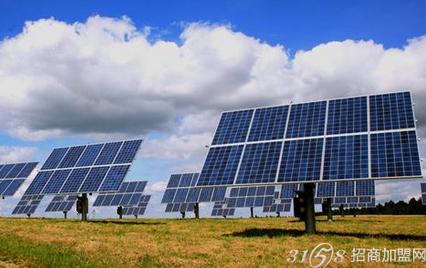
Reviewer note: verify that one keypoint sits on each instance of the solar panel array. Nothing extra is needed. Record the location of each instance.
(85, 169)
(61, 203)
(181, 193)
(139, 209)
(423, 188)
(129, 194)
(220, 209)
(368, 137)
(254, 196)
(12, 176)
(28, 204)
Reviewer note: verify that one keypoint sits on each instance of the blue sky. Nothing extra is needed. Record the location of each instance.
(170, 83)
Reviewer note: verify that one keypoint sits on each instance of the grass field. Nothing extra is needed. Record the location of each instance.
(261, 242)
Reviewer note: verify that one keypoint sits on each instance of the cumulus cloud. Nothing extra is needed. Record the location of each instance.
(106, 77)
(16, 154)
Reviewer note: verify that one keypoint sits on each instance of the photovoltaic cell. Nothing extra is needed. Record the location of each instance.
(221, 165)
(94, 179)
(268, 123)
(345, 188)
(114, 178)
(128, 151)
(13, 175)
(38, 183)
(391, 111)
(233, 127)
(71, 157)
(56, 181)
(54, 158)
(346, 157)
(259, 163)
(394, 154)
(364, 188)
(28, 204)
(108, 153)
(307, 119)
(89, 156)
(75, 179)
(129, 194)
(347, 116)
(301, 160)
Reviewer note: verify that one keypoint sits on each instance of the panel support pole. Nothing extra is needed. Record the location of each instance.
(251, 212)
(329, 211)
(65, 214)
(84, 207)
(309, 208)
(197, 210)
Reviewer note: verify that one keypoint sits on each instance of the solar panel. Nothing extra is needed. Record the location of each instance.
(85, 168)
(254, 196)
(28, 204)
(423, 189)
(61, 203)
(12, 176)
(220, 209)
(139, 209)
(129, 194)
(233, 127)
(368, 137)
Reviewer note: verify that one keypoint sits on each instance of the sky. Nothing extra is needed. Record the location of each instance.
(87, 71)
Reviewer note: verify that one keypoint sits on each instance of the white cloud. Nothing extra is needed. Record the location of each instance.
(16, 154)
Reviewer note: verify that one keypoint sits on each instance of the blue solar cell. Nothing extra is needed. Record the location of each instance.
(99, 199)
(128, 152)
(38, 183)
(218, 194)
(3, 185)
(13, 173)
(288, 190)
(206, 194)
(346, 157)
(326, 189)
(423, 187)
(233, 127)
(394, 154)
(168, 196)
(131, 186)
(114, 178)
(180, 196)
(268, 123)
(75, 179)
(26, 171)
(221, 165)
(365, 199)
(5, 170)
(116, 199)
(89, 155)
(141, 186)
(107, 200)
(174, 181)
(259, 163)
(56, 181)
(345, 188)
(193, 195)
(301, 160)
(365, 188)
(108, 153)
(185, 180)
(13, 187)
(126, 198)
(347, 116)
(195, 179)
(94, 179)
(134, 200)
(306, 119)
(54, 158)
(391, 111)
(71, 157)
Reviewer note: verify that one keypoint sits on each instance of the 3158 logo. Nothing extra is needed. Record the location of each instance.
(320, 256)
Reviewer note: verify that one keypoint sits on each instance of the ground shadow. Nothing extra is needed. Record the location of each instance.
(256, 232)
(119, 222)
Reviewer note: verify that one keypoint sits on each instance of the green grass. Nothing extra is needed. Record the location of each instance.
(262, 242)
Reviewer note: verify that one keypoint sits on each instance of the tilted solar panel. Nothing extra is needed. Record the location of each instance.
(368, 137)
(28, 204)
(423, 189)
(12, 176)
(85, 168)
(139, 209)
(129, 194)
(62, 203)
